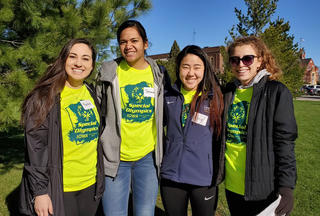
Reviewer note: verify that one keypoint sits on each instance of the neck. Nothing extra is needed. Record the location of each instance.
(139, 65)
(74, 85)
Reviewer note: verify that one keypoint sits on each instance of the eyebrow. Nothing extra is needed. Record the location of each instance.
(77, 54)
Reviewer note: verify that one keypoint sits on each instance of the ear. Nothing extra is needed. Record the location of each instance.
(146, 45)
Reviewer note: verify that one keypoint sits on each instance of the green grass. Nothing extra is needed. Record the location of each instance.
(307, 192)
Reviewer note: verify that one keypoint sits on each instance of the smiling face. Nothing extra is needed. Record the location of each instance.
(79, 65)
(191, 71)
(132, 47)
(242, 72)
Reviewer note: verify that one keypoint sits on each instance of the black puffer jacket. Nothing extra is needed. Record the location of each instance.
(272, 130)
(42, 172)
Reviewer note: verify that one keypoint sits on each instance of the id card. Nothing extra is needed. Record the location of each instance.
(86, 104)
(148, 92)
(200, 119)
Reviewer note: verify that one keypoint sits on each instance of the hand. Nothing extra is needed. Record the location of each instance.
(43, 205)
(286, 203)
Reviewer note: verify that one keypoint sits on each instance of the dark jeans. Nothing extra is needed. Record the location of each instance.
(175, 197)
(81, 203)
(238, 206)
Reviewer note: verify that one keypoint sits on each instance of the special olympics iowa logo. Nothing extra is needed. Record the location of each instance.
(136, 107)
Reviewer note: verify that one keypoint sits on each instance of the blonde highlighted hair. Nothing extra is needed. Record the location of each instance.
(268, 61)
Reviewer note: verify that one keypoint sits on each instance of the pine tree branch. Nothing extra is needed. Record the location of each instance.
(14, 43)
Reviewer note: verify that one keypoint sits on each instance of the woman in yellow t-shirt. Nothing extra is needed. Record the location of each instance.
(131, 92)
(63, 171)
(261, 129)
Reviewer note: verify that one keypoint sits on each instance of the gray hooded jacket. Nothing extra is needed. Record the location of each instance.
(108, 87)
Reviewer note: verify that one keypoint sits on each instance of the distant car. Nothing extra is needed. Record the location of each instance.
(313, 90)
(306, 89)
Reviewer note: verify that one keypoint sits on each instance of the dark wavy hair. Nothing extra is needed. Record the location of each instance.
(40, 100)
(208, 87)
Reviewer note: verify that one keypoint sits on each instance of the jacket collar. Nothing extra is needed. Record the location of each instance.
(110, 70)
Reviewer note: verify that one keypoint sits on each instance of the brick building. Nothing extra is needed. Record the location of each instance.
(214, 54)
(311, 73)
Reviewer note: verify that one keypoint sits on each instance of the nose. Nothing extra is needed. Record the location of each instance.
(78, 62)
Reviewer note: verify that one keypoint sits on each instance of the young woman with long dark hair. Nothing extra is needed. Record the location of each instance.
(193, 156)
(63, 170)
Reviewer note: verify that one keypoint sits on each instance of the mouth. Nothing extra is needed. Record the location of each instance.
(77, 70)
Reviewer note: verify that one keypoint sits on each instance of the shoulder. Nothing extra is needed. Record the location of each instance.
(274, 85)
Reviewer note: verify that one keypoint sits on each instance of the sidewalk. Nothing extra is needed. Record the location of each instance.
(308, 98)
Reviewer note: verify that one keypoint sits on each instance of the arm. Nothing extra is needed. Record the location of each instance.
(36, 140)
(284, 135)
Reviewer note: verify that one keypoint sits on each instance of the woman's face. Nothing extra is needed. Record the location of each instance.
(132, 46)
(191, 71)
(79, 65)
(246, 69)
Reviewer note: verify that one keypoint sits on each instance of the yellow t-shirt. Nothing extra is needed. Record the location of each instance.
(138, 126)
(188, 96)
(80, 131)
(237, 140)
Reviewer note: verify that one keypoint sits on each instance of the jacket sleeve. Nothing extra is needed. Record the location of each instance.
(36, 157)
(284, 136)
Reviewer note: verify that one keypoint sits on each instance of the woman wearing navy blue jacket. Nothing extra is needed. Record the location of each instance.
(193, 156)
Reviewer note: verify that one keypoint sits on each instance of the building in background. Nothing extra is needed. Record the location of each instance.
(213, 53)
(311, 73)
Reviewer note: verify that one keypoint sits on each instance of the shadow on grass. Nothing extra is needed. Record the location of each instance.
(11, 202)
(11, 152)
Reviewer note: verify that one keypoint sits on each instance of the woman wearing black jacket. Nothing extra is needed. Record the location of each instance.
(63, 170)
(260, 133)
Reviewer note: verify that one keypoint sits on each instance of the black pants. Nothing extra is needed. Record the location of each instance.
(175, 197)
(239, 206)
(81, 203)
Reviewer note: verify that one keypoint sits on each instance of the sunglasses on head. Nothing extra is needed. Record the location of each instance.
(247, 60)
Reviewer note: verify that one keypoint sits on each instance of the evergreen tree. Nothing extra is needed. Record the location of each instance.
(171, 63)
(286, 53)
(257, 21)
(33, 32)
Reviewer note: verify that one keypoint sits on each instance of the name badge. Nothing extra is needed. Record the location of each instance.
(200, 119)
(148, 92)
(86, 104)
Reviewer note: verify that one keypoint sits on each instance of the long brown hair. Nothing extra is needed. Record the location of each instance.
(208, 85)
(268, 61)
(42, 97)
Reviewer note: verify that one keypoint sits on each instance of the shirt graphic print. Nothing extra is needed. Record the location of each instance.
(237, 123)
(137, 106)
(84, 126)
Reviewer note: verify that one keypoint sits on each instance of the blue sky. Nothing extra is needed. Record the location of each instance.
(206, 23)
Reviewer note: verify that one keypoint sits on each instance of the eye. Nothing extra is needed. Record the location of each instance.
(122, 42)
(72, 56)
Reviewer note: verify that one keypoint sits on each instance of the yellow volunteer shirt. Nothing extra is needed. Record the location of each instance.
(138, 126)
(80, 131)
(236, 141)
(188, 96)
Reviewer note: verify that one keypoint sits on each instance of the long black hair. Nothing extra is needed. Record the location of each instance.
(50, 84)
(208, 86)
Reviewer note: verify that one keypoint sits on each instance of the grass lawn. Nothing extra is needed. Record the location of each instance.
(307, 193)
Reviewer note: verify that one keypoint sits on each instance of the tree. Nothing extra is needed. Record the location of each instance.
(286, 53)
(171, 63)
(275, 34)
(33, 32)
(258, 16)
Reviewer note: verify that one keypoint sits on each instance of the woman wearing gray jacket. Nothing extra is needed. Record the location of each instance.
(130, 90)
